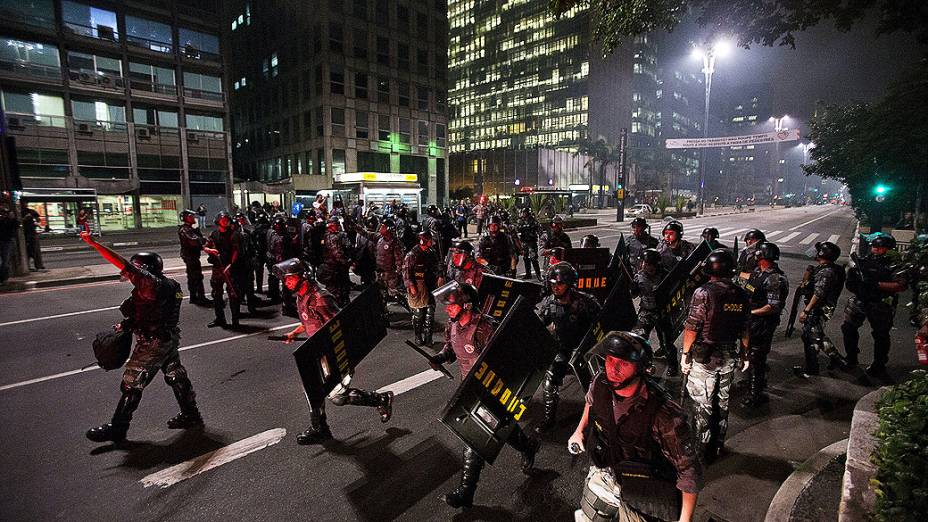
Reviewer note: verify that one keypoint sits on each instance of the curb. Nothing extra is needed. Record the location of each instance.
(781, 507)
(117, 244)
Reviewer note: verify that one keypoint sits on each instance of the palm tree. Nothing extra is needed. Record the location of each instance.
(600, 154)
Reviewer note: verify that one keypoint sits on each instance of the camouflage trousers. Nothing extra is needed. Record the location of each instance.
(601, 483)
(815, 340)
(152, 354)
(708, 387)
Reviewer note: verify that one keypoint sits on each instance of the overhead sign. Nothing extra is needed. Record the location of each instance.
(733, 141)
(354, 177)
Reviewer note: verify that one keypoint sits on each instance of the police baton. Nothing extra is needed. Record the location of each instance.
(435, 365)
(284, 338)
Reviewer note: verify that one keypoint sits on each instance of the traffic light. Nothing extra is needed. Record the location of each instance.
(880, 190)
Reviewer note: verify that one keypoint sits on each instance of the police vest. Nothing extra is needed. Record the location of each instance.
(156, 314)
(757, 287)
(727, 313)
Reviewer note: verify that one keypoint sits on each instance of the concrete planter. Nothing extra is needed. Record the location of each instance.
(857, 496)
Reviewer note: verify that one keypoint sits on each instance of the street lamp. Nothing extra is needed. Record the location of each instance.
(805, 160)
(779, 124)
(708, 55)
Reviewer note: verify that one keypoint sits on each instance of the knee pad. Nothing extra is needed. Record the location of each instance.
(175, 373)
(339, 400)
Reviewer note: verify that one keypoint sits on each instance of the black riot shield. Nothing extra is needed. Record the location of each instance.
(618, 313)
(497, 294)
(592, 266)
(494, 396)
(337, 348)
(619, 264)
(674, 291)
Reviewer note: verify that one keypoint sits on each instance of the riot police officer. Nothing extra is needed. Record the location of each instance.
(826, 281)
(315, 307)
(672, 247)
(227, 255)
(568, 313)
(639, 240)
(191, 244)
(555, 238)
(404, 231)
(259, 248)
(746, 260)
(433, 223)
(336, 261)
(246, 274)
(650, 273)
(631, 419)
(589, 241)
(529, 231)
(768, 288)
(464, 268)
(152, 314)
(496, 249)
(876, 283)
(711, 235)
(422, 273)
(718, 317)
(365, 248)
(389, 260)
(279, 248)
(466, 335)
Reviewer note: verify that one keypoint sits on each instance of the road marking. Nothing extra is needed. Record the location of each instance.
(69, 314)
(411, 382)
(735, 232)
(813, 220)
(833, 238)
(787, 238)
(774, 233)
(193, 467)
(182, 349)
(810, 238)
(725, 230)
(127, 243)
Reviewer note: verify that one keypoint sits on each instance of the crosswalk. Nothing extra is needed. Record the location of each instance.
(792, 238)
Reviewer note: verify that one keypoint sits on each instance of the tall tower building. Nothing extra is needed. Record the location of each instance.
(361, 94)
(117, 107)
(519, 79)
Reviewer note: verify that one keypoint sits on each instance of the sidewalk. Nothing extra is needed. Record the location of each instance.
(144, 237)
(77, 275)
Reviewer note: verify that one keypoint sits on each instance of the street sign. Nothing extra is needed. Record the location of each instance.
(333, 352)
(495, 394)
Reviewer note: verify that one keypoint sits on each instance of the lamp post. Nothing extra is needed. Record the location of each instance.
(805, 160)
(708, 55)
(778, 125)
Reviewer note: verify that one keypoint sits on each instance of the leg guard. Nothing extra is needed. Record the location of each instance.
(318, 430)
(428, 325)
(117, 428)
(463, 495)
(175, 375)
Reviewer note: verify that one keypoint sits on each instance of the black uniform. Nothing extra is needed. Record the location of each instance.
(649, 316)
(498, 251)
(152, 314)
(336, 261)
(421, 270)
(869, 303)
(746, 260)
(826, 282)
(766, 287)
(246, 267)
(529, 231)
(229, 244)
(552, 239)
(191, 244)
(571, 321)
(637, 245)
(259, 253)
(279, 249)
(671, 255)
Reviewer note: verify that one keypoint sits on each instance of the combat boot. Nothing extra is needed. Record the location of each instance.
(417, 327)
(220, 320)
(756, 396)
(385, 405)
(317, 433)
(189, 416)
(528, 454)
(427, 331)
(547, 423)
(236, 314)
(463, 495)
(116, 429)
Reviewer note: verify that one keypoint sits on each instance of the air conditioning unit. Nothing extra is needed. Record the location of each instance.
(106, 81)
(14, 122)
(143, 133)
(105, 32)
(84, 128)
(86, 77)
(193, 137)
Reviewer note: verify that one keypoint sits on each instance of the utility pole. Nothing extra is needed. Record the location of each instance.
(620, 178)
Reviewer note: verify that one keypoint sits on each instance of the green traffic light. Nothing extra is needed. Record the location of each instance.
(881, 189)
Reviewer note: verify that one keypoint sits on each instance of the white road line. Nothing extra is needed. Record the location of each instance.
(184, 348)
(788, 237)
(735, 232)
(813, 220)
(214, 459)
(834, 238)
(725, 230)
(412, 382)
(69, 314)
(810, 238)
(774, 233)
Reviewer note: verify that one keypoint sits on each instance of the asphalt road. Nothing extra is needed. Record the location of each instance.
(249, 391)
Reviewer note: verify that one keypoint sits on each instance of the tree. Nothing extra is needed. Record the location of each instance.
(601, 153)
(863, 145)
(766, 22)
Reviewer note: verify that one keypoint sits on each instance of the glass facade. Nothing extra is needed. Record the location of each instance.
(149, 34)
(87, 20)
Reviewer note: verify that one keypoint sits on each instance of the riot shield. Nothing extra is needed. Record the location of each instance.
(675, 289)
(494, 396)
(618, 313)
(619, 264)
(497, 294)
(337, 348)
(592, 266)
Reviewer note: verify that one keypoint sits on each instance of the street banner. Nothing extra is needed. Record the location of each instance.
(592, 265)
(618, 313)
(494, 396)
(332, 353)
(497, 294)
(733, 141)
(674, 291)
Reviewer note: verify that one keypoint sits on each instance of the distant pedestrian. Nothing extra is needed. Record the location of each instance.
(8, 226)
(31, 225)
(480, 213)
(83, 220)
(201, 216)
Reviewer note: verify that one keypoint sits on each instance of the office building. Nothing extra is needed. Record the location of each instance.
(748, 169)
(116, 107)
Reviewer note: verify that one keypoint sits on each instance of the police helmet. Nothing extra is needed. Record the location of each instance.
(263, 219)
(240, 215)
(589, 241)
(456, 293)
(424, 235)
(186, 212)
(495, 219)
(710, 233)
(720, 263)
(676, 226)
(504, 215)
(639, 222)
(629, 347)
(526, 212)
(279, 224)
(754, 234)
(768, 251)
(388, 222)
(883, 240)
(293, 266)
(827, 250)
(563, 272)
(432, 210)
(463, 246)
(150, 261)
(557, 220)
(650, 256)
(221, 214)
(372, 222)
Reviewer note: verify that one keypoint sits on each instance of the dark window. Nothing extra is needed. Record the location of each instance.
(198, 45)
(336, 38)
(338, 122)
(320, 160)
(405, 131)
(422, 137)
(318, 81)
(360, 85)
(336, 5)
(383, 50)
(402, 56)
(40, 13)
(336, 79)
(383, 10)
(360, 45)
(383, 127)
(402, 17)
(383, 89)
(338, 161)
(320, 122)
(440, 135)
(373, 161)
(422, 23)
(307, 121)
(441, 101)
(361, 129)
(422, 97)
(422, 61)
(403, 88)
(360, 9)
(307, 85)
